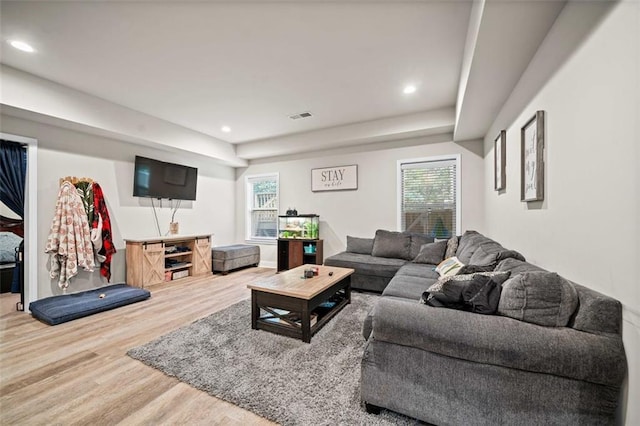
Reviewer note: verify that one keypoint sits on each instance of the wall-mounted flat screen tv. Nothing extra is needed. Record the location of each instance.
(158, 179)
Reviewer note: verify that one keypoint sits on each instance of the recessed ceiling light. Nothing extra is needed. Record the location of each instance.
(226, 129)
(409, 89)
(21, 45)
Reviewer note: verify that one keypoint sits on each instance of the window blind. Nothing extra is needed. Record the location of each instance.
(428, 201)
(262, 202)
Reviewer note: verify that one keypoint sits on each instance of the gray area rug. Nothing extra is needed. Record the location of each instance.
(276, 377)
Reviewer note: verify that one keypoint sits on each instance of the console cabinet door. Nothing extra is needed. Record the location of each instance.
(152, 263)
(295, 254)
(201, 259)
(283, 255)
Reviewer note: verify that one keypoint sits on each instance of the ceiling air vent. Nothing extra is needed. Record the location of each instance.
(301, 115)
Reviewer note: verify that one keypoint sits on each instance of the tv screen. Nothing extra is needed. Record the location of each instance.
(158, 179)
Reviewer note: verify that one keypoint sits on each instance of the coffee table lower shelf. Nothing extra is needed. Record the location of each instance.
(266, 307)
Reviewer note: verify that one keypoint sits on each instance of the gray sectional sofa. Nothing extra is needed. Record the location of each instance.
(377, 260)
(552, 354)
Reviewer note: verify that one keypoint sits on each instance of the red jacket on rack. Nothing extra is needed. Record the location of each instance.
(100, 212)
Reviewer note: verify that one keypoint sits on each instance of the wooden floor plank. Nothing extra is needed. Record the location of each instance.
(9, 386)
(78, 372)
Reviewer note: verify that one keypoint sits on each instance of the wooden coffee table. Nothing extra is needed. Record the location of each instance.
(289, 304)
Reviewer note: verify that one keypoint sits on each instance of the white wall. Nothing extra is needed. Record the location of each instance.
(109, 162)
(586, 228)
(373, 206)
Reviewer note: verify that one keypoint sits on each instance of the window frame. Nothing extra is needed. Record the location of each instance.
(451, 157)
(249, 207)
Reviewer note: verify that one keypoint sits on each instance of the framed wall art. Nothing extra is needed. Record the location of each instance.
(499, 161)
(532, 160)
(337, 178)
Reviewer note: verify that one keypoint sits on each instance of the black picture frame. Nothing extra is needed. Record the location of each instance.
(532, 143)
(500, 161)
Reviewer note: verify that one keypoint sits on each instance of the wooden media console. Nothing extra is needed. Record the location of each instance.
(152, 261)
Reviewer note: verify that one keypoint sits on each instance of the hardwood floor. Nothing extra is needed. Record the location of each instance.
(8, 303)
(78, 372)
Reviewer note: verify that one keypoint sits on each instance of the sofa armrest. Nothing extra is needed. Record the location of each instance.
(502, 341)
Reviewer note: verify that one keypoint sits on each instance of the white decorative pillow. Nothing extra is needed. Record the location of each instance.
(449, 266)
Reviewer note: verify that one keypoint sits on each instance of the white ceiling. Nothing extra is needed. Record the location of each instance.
(249, 65)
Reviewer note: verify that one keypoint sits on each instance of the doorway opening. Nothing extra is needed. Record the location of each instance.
(18, 213)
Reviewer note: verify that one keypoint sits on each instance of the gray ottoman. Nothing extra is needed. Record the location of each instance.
(226, 258)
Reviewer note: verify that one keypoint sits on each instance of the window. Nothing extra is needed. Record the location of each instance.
(428, 196)
(262, 207)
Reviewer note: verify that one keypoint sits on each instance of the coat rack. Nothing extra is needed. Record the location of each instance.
(75, 180)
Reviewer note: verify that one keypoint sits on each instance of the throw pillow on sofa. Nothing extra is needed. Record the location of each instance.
(516, 266)
(490, 253)
(432, 253)
(510, 254)
(359, 245)
(417, 241)
(452, 247)
(467, 244)
(449, 266)
(472, 269)
(479, 293)
(450, 293)
(391, 244)
(438, 286)
(540, 297)
(486, 254)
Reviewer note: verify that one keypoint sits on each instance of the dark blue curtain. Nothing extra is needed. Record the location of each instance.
(13, 173)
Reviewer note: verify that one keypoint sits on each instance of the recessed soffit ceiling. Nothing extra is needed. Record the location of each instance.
(249, 66)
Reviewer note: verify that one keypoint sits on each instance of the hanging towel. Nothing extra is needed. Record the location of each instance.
(85, 191)
(100, 213)
(96, 239)
(69, 241)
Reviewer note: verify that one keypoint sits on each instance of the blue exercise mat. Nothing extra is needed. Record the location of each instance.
(58, 309)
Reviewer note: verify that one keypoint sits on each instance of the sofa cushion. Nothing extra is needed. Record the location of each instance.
(365, 264)
(486, 254)
(596, 313)
(431, 253)
(543, 298)
(516, 266)
(419, 270)
(506, 254)
(367, 324)
(359, 245)
(391, 244)
(468, 243)
(417, 241)
(407, 287)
